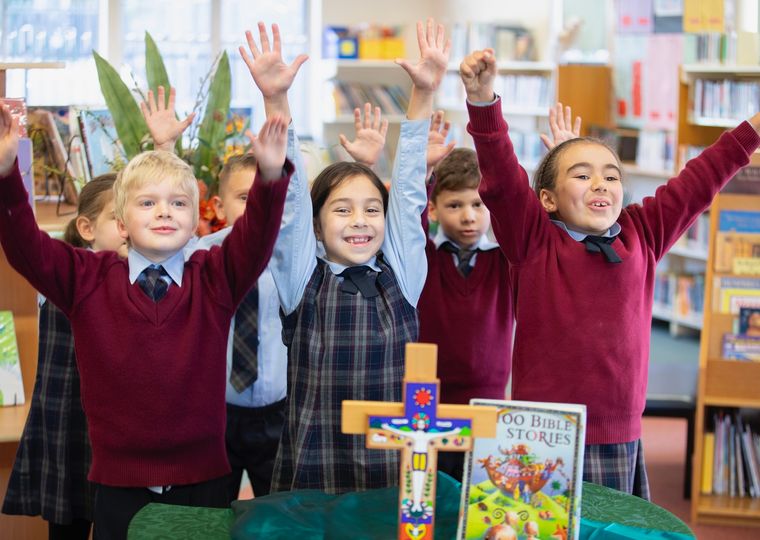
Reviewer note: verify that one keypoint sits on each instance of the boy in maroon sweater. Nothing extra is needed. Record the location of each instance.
(583, 269)
(150, 331)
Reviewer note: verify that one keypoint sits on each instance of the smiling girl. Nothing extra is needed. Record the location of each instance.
(583, 269)
(349, 311)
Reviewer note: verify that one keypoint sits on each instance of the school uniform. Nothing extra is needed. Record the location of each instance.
(49, 475)
(583, 321)
(151, 369)
(344, 345)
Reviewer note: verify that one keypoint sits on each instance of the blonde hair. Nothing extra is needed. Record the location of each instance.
(155, 166)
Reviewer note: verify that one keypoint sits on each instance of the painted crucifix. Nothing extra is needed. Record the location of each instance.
(420, 427)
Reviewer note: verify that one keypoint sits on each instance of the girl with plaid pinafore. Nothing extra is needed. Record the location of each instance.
(49, 476)
(349, 310)
(348, 313)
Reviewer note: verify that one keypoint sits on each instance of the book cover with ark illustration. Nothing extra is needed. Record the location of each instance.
(525, 482)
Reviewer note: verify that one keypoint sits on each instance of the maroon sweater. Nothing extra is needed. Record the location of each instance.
(583, 324)
(152, 374)
(471, 321)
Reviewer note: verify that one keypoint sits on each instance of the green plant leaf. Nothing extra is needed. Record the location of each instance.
(127, 117)
(155, 71)
(211, 134)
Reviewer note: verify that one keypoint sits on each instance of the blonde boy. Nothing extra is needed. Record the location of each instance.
(150, 331)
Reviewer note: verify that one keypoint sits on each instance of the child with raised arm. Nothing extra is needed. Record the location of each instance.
(49, 476)
(583, 269)
(466, 305)
(348, 314)
(150, 331)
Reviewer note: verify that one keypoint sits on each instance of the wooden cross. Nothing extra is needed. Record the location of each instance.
(420, 428)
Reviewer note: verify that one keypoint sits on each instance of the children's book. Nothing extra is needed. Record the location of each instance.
(749, 321)
(738, 347)
(11, 384)
(738, 242)
(102, 147)
(526, 482)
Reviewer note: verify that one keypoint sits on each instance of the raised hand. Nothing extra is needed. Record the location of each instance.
(8, 140)
(428, 72)
(272, 75)
(162, 121)
(478, 71)
(561, 127)
(370, 136)
(270, 147)
(437, 149)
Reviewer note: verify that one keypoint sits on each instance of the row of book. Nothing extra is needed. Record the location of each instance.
(731, 457)
(392, 99)
(532, 93)
(655, 150)
(510, 41)
(681, 294)
(726, 98)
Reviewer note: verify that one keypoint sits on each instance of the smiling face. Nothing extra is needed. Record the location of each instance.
(588, 193)
(158, 219)
(351, 222)
(462, 215)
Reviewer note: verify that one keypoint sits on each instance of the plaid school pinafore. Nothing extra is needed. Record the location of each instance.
(49, 476)
(341, 346)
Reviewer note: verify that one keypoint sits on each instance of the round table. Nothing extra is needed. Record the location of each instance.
(606, 514)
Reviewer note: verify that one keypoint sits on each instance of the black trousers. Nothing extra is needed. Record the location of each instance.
(253, 437)
(116, 506)
(78, 529)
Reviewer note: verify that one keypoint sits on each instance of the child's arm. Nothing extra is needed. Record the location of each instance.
(519, 222)
(676, 205)
(50, 266)
(404, 244)
(561, 126)
(295, 251)
(370, 136)
(248, 247)
(164, 126)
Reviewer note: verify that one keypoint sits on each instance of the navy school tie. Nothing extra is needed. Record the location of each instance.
(359, 279)
(463, 257)
(245, 342)
(602, 244)
(154, 282)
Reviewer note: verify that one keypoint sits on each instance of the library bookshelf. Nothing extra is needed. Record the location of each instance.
(18, 296)
(722, 383)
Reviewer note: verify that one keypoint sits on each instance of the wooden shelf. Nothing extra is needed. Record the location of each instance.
(516, 66)
(728, 510)
(722, 384)
(12, 420)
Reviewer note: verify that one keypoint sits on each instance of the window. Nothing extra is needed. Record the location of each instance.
(189, 34)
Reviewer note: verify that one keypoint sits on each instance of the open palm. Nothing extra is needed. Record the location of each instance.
(270, 73)
(370, 136)
(428, 72)
(8, 140)
(162, 121)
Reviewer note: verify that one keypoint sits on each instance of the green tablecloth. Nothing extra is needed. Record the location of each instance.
(606, 514)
